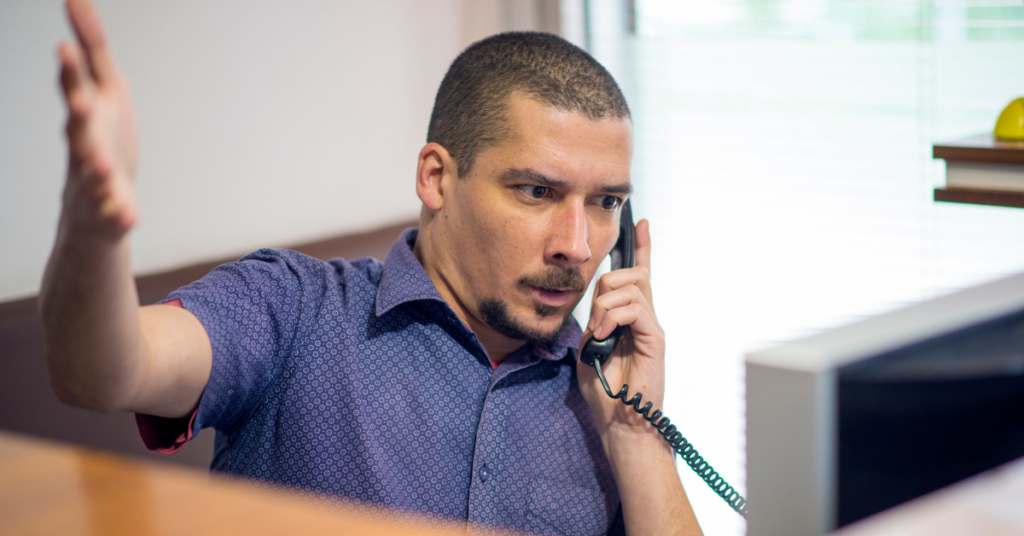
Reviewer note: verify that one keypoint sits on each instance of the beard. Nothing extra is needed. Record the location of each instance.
(495, 312)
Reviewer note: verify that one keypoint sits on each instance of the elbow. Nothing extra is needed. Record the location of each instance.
(78, 399)
(72, 393)
(67, 396)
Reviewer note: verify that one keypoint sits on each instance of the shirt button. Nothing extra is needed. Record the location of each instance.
(485, 473)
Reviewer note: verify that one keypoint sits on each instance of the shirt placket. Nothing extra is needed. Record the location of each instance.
(488, 476)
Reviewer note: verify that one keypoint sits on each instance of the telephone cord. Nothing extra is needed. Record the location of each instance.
(679, 444)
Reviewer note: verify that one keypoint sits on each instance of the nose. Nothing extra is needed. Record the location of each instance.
(568, 243)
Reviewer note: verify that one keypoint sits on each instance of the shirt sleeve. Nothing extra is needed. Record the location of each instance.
(251, 310)
(619, 525)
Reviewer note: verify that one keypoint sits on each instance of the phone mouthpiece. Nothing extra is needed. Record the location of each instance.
(599, 350)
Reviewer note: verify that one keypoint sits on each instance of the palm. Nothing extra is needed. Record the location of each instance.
(116, 125)
(644, 374)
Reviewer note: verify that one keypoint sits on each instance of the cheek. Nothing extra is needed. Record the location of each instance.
(485, 251)
(504, 245)
(601, 244)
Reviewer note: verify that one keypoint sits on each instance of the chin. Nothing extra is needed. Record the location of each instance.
(526, 323)
(542, 318)
(546, 323)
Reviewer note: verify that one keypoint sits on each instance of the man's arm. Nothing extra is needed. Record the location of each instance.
(653, 499)
(104, 352)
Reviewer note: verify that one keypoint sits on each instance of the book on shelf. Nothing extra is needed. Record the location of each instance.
(985, 176)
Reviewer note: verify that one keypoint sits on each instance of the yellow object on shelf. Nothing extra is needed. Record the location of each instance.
(1010, 125)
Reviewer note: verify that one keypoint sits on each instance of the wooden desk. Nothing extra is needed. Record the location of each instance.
(49, 488)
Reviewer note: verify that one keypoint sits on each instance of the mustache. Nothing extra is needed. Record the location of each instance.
(556, 277)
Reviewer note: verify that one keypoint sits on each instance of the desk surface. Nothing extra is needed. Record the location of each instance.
(49, 488)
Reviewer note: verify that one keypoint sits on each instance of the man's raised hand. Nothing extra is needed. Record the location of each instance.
(102, 138)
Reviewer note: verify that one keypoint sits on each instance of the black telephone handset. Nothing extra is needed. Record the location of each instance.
(596, 352)
(623, 256)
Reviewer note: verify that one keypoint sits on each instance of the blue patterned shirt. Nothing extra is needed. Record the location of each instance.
(356, 379)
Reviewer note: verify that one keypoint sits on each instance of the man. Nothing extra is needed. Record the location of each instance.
(442, 381)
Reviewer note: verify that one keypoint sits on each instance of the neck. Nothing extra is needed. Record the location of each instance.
(428, 250)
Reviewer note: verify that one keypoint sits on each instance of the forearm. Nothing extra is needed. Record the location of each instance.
(653, 498)
(90, 313)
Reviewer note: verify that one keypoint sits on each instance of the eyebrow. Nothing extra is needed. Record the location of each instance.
(535, 177)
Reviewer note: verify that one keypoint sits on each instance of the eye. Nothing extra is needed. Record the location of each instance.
(610, 202)
(535, 192)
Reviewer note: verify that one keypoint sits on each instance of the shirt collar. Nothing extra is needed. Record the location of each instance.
(404, 280)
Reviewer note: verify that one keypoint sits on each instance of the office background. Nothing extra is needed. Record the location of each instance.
(782, 150)
(784, 159)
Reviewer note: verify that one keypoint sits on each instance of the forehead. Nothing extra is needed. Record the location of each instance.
(565, 144)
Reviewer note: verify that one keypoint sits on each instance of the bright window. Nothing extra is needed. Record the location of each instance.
(783, 156)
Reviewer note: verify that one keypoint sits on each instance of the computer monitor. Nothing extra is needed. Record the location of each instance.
(851, 421)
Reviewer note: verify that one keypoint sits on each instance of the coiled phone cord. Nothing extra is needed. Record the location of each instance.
(680, 445)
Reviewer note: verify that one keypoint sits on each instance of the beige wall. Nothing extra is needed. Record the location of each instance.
(486, 17)
(263, 123)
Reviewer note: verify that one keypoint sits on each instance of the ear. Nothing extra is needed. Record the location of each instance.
(435, 172)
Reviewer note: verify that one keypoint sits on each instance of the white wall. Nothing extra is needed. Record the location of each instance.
(263, 123)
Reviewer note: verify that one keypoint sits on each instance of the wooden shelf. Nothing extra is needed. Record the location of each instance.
(997, 198)
(984, 148)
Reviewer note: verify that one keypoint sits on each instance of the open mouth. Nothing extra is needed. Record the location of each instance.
(555, 297)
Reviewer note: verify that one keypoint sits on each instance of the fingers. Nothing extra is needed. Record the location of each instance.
(86, 23)
(109, 201)
(633, 315)
(70, 77)
(86, 164)
(74, 80)
(617, 279)
(605, 314)
(78, 96)
(627, 289)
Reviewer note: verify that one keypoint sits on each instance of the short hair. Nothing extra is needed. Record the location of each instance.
(471, 104)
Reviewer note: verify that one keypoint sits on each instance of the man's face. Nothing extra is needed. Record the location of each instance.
(528, 227)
